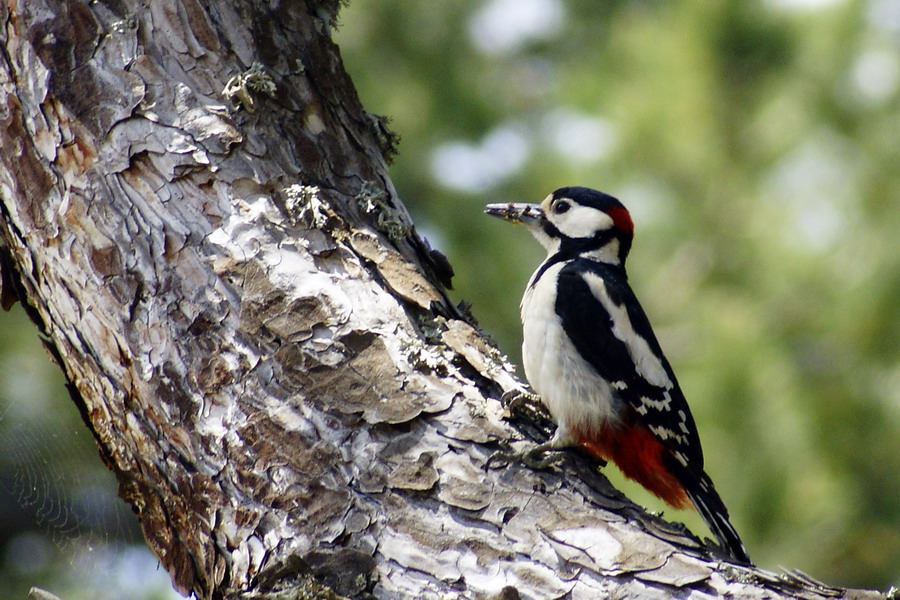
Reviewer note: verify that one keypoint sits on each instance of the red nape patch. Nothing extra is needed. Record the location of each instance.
(640, 456)
(622, 219)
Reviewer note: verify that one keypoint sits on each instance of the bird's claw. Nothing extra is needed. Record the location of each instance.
(543, 456)
(501, 458)
(512, 399)
(539, 457)
(526, 404)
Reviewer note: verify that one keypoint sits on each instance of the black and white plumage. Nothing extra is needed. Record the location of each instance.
(591, 355)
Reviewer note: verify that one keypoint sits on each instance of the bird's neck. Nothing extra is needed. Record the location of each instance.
(607, 253)
(586, 249)
(605, 248)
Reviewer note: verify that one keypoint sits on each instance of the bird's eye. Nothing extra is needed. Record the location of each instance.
(561, 207)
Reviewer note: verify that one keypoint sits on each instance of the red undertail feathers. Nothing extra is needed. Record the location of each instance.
(640, 456)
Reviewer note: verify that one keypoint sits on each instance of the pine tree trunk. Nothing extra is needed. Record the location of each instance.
(196, 211)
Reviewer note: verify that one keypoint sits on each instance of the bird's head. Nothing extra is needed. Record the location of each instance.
(576, 221)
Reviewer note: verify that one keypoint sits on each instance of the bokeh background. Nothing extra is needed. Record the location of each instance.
(757, 145)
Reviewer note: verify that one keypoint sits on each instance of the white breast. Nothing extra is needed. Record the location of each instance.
(573, 392)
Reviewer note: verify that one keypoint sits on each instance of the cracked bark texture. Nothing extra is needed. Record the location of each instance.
(196, 212)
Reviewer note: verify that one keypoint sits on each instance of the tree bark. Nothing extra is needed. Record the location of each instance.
(196, 212)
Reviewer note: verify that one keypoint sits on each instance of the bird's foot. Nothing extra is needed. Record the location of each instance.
(538, 456)
(514, 398)
(525, 404)
(543, 456)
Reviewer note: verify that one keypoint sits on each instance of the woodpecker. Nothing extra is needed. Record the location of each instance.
(591, 356)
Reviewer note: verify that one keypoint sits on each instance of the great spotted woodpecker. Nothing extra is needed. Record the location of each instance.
(590, 354)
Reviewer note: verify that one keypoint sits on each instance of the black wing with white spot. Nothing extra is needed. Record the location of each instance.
(608, 327)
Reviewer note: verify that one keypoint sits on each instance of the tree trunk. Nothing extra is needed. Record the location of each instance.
(196, 212)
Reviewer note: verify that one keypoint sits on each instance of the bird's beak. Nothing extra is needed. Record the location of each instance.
(527, 214)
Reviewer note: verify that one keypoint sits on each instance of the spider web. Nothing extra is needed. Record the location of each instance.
(55, 486)
(62, 525)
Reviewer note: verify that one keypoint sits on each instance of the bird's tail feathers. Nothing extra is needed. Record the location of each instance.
(714, 513)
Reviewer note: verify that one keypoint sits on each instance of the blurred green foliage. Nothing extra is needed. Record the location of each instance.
(757, 146)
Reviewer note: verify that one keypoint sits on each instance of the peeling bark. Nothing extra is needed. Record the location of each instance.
(197, 214)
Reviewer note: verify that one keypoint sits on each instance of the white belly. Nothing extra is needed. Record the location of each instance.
(573, 392)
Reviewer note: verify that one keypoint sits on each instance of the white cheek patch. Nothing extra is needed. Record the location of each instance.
(581, 221)
(648, 365)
